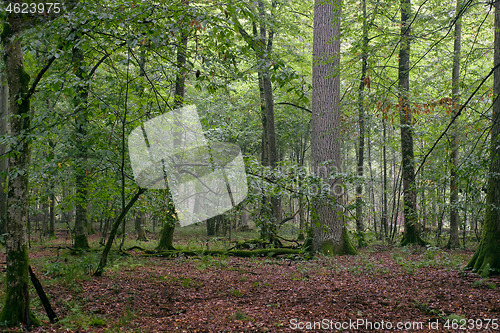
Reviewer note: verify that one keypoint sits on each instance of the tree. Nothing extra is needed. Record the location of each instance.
(360, 228)
(81, 120)
(261, 43)
(411, 233)
(486, 259)
(329, 233)
(17, 300)
(4, 108)
(453, 241)
(167, 232)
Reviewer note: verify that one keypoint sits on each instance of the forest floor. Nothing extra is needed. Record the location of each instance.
(384, 289)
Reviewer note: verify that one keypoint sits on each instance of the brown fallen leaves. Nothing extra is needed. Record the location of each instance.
(211, 294)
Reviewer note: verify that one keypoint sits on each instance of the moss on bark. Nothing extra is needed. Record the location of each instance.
(17, 309)
(412, 236)
(486, 259)
(328, 248)
(167, 237)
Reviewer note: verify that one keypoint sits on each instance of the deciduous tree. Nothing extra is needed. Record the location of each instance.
(486, 259)
(329, 233)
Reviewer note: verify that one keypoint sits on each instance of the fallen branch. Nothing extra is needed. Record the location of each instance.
(43, 297)
(236, 253)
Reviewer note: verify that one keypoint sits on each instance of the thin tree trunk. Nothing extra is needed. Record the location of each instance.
(411, 233)
(454, 223)
(167, 232)
(270, 153)
(4, 165)
(52, 207)
(80, 104)
(360, 228)
(104, 256)
(384, 181)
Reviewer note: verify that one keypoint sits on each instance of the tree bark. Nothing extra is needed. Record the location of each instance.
(411, 233)
(360, 228)
(329, 233)
(4, 165)
(80, 104)
(104, 257)
(16, 309)
(167, 232)
(486, 259)
(139, 227)
(270, 153)
(454, 223)
(383, 222)
(52, 207)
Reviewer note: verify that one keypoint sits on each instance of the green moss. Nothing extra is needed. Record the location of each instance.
(17, 307)
(412, 236)
(7, 31)
(486, 259)
(24, 79)
(346, 246)
(81, 242)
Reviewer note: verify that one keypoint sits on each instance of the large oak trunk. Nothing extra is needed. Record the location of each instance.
(329, 233)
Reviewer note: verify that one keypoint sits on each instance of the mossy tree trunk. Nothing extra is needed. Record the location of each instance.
(80, 104)
(139, 227)
(168, 229)
(170, 220)
(329, 235)
(16, 308)
(4, 111)
(411, 233)
(167, 236)
(486, 259)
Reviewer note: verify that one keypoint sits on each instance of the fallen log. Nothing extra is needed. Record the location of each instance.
(269, 252)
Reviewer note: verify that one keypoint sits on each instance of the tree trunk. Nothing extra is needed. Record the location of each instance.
(384, 223)
(4, 165)
(45, 217)
(360, 228)
(52, 207)
(329, 233)
(411, 233)
(486, 259)
(167, 232)
(270, 153)
(16, 309)
(454, 223)
(114, 229)
(80, 101)
(139, 227)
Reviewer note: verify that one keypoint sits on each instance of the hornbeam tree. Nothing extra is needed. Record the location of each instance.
(411, 234)
(16, 309)
(486, 259)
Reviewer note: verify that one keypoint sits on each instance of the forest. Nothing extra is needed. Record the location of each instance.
(250, 166)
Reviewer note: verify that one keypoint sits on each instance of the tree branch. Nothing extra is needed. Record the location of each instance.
(295, 105)
(39, 76)
(455, 117)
